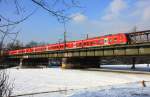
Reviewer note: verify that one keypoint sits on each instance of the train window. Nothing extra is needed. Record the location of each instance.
(115, 39)
(87, 43)
(90, 43)
(93, 42)
(110, 40)
(105, 40)
(80, 44)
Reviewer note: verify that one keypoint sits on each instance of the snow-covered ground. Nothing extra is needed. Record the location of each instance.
(126, 90)
(53, 79)
(139, 67)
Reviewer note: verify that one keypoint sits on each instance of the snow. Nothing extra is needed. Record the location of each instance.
(115, 92)
(55, 79)
(139, 67)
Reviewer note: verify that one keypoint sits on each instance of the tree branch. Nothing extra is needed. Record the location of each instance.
(58, 14)
(17, 22)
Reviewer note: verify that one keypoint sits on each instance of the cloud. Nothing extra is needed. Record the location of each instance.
(78, 17)
(117, 5)
(146, 14)
(114, 9)
(121, 16)
(141, 10)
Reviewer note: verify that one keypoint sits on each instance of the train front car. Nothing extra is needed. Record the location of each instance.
(108, 40)
(116, 39)
(122, 38)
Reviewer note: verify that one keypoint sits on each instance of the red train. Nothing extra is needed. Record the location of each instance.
(113, 39)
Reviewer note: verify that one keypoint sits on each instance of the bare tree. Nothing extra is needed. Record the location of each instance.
(5, 86)
(60, 9)
(34, 43)
(16, 45)
(8, 26)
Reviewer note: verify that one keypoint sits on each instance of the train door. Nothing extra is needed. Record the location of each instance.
(106, 41)
(74, 45)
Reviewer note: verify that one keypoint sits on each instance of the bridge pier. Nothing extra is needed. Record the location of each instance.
(20, 63)
(133, 63)
(49, 62)
(81, 62)
(54, 62)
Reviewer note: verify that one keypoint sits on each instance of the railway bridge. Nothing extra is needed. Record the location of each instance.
(83, 57)
(134, 52)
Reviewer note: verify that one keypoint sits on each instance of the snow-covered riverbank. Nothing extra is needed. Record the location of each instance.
(125, 90)
(52, 79)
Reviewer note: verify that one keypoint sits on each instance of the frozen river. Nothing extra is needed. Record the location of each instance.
(51, 79)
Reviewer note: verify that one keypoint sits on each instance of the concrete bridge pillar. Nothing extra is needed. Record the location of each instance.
(20, 63)
(49, 62)
(100, 63)
(65, 64)
(133, 63)
(82, 62)
(54, 62)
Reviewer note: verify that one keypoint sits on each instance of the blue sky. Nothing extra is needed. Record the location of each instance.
(97, 17)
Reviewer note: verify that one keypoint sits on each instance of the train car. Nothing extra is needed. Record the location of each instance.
(114, 39)
(123, 39)
(78, 44)
(69, 45)
(21, 51)
(13, 52)
(29, 50)
(61, 46)
(40, 48)
(53, 47)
